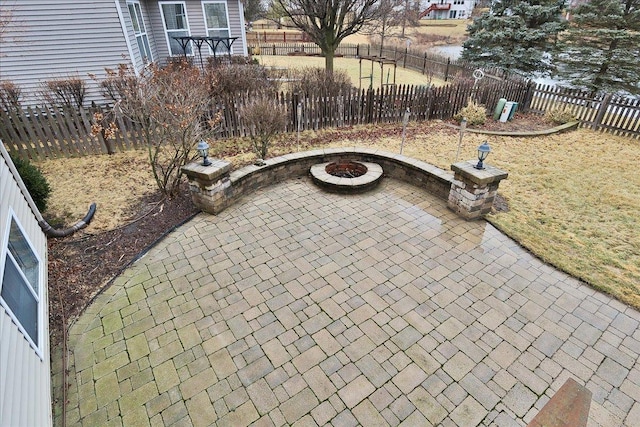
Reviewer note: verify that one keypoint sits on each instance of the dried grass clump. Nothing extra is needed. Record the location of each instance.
(476, 114)
(559, 115)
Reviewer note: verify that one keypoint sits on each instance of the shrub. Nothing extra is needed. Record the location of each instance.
(35, 182)
(475, 113)
(265, 118)
(559, 115)
(229, 80)
(173, 108)
(10, 96)
(312, 81)
(68, 92)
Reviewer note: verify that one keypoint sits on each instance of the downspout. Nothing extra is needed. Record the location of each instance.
(243, 29)
(48, 230)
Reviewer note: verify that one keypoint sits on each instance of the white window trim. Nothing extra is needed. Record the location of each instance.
(4, 249)
(164, 25)
(228, 28)
(144, 33)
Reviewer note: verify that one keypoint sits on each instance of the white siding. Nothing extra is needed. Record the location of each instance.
(60, 38)
(25, 378)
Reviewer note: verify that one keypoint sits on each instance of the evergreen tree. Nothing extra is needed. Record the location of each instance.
(600, 49)
(516, 35)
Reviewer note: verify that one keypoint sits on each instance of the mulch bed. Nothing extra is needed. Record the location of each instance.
(82, 264)
(520, 123)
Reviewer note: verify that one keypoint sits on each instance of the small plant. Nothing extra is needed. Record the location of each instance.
(476, 114)
(559, 115)
(35, 182)
(69, 92)
(10, 96)
(265, 118)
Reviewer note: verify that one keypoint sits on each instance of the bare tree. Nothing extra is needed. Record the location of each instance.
(328, 22)
(390, 15)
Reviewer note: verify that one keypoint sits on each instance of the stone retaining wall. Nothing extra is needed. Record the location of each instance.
(214, 187)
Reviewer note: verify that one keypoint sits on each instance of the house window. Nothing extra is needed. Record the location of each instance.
(452, 14)
(140, 31)
(174, 18)
(217, 22)
(20, 290)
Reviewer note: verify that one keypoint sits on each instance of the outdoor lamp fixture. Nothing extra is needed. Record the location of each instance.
(483, 152)
(203, 149)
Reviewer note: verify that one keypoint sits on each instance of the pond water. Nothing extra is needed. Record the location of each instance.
(450, 51)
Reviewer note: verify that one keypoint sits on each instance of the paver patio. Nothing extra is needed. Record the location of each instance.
(299, 307)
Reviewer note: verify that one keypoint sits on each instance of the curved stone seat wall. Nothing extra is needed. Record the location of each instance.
(469, 192)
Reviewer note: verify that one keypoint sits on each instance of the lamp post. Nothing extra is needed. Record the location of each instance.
(483, 152)
(203, 150)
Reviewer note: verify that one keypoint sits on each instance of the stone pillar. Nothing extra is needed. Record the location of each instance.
(207, 185)
(473, 190)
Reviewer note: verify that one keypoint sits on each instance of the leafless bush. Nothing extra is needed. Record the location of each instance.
(66, 92)
(265, 118)
(238, 79)
(317, 80)
(10, 94)
(173, 108)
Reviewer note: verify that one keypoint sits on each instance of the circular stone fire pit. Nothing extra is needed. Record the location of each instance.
(346, 176)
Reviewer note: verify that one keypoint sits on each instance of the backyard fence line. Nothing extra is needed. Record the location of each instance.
(39, 133)
(429, 64)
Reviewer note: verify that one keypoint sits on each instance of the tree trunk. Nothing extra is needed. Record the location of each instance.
(604, 68)
(328, 59)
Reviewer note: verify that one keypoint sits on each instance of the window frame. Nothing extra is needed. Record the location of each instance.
(166, 31)
(221, 48)
(39, 294)
(143, 34)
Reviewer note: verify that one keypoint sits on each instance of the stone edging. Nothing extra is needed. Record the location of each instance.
(557, 129)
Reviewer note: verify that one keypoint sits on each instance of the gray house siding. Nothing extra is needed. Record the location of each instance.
(25, 375)
(53, 39)
(50, 39)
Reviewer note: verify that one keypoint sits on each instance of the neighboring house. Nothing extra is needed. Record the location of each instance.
(48, 39)
(448, 9)
(25, 374)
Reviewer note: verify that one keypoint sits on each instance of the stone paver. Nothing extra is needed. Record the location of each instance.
(298, 307)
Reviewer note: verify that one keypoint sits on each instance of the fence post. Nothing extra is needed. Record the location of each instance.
(424, 64)
(601, 111)
(528, 97)
(446, 71)
(274, 49)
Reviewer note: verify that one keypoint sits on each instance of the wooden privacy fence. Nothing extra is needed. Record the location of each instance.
(39, 133)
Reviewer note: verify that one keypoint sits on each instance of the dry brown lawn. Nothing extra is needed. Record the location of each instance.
(573, 198)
